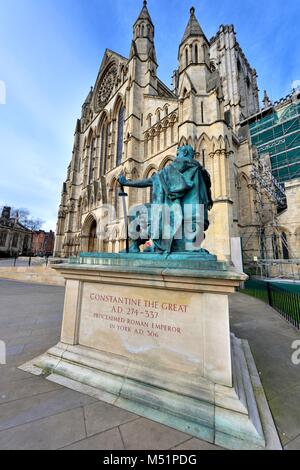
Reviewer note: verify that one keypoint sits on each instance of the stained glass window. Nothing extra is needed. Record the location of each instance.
(121, 117)
(104, 148)
(91, 160)
(116, 199)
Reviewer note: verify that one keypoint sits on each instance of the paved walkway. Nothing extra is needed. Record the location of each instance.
(21, 261)
(271, 339)
(37, 414)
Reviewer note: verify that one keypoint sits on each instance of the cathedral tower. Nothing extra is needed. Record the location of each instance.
(202, 124)
(198, 89)
(142, 66)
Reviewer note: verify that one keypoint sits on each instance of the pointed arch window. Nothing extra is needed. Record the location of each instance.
(275, 246)
(91, 160)
(202, 112)
(196, 53)
(146, 145)
(104, 136)
(120, 134)
(117, 191)
(186, 57)
(285, 246)
(79, 214)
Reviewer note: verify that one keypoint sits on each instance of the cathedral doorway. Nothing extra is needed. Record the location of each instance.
(92, 246)
(89, 239)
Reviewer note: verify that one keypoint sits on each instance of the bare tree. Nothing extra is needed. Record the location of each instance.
(27, 220)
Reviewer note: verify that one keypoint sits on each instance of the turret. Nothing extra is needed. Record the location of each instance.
(194, 54)
(143, 33)
(143, 49)
(194, 47)
(266, 101)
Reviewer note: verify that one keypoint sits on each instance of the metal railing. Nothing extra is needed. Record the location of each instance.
(284, 301)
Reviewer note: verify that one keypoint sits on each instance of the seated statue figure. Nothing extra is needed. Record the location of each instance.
(177, 217)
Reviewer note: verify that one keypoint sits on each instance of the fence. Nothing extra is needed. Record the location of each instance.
(284, 300)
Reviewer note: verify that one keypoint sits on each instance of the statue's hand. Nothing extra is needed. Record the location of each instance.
(122, 180)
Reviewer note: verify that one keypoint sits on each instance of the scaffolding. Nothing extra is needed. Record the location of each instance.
(278, 135)
(275, 140)
(269, 201)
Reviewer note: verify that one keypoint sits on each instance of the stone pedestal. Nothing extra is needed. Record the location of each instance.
(151, 334)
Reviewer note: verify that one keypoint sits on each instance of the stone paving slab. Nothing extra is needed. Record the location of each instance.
(37, 407)
(28, 387)
(11, 373)
(111, 440)
(33, 416)
(101, 416)
(144, 434)
(293, 445)
(196, 444)
(50, 433)
(271, 338)
(287, 411)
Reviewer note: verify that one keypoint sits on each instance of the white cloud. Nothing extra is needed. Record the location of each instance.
(295, 84)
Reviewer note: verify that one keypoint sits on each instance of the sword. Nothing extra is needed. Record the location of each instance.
(124, 195)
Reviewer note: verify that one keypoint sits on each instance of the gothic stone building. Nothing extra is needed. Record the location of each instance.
(15, 239)
(133, 122)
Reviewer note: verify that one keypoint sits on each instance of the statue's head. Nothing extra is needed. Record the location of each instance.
(186, 151)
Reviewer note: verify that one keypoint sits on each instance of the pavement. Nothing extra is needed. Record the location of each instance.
(38, 414)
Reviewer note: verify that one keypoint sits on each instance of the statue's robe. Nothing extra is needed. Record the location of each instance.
(182, 188)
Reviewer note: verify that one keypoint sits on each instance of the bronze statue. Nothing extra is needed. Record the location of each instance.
(182, 190)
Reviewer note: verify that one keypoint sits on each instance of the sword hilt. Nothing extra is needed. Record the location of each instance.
(122, 193)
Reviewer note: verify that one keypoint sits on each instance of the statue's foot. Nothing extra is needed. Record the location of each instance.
(134, 249)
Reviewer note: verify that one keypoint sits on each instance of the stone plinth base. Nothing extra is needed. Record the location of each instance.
(154, 339)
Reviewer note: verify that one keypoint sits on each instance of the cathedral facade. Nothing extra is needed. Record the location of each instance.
(131, 122)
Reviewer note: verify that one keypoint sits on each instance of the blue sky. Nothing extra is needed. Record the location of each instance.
(50, 52)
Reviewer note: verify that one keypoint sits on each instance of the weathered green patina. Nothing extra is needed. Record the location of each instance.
(178, 214)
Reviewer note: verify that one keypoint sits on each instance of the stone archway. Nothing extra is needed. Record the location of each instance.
(89, 240)
(92, 246)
